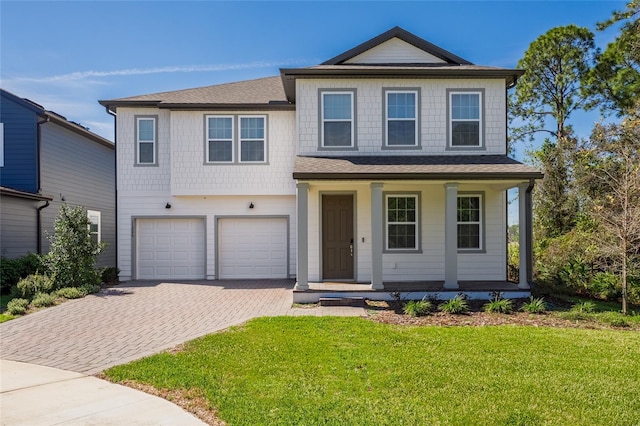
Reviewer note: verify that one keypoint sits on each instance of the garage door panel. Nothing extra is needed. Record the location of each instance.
(252, 248)
(170, 248)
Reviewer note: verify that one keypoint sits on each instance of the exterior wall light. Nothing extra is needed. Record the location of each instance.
(251, 205)
(167, 206)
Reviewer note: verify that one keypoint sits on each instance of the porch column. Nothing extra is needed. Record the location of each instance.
(524, 237)
(451, 236)
(377, 243)
(302, 263)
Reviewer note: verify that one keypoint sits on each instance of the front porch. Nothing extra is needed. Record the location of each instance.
(474, 290)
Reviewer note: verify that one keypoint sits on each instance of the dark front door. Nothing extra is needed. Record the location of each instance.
(337, 237)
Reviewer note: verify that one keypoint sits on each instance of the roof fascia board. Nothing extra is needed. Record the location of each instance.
(416, 176)
(10, 192)
(54, 118)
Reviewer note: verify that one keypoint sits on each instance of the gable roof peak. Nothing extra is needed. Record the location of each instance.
(404, 35)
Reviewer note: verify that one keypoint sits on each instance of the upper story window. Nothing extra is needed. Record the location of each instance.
(465, 119)
(337, 119)
(401, 217)
(226, 145)
(94, 225)
(220, 139)
(401, 118)
(470, 222)
(146, 140)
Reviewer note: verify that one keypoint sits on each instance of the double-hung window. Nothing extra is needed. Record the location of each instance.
(401, 219)
(401, 117)
(220, 139)
(470, 222)
(94, 225)
(252, 139)
(146, 140)
(337, 112)
(465, 122)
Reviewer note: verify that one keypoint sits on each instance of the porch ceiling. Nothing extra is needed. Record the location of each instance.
(422, 167)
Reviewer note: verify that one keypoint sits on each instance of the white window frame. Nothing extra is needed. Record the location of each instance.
(153, 142)
(416, 223)
(414, 119)
(96, 214)
(232, 140)
(263, 139)
(351, 120)
(479, 222)
(479, 120)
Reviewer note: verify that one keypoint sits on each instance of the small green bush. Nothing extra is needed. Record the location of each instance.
(457, 305)
(72, 292)
(417, 308)
(586, 307)
(499, 306)
(535, 306)
(110, 275)
(12, 270)
(43, 300)
(90, 288)
(33, 284)
(17, 306)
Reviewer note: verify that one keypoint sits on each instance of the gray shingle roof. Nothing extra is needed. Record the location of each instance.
(372, 167)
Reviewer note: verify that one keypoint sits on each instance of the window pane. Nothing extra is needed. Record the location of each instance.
(402, 236)
(146, 130)
(337, 133)
(252, 128)
(252, 151)
(465, 106)
(401, 105)
(401, 133)
(465, 133)
(146, 152)
(337, 106)
(468, 236)
(220, 128)
(220, 151)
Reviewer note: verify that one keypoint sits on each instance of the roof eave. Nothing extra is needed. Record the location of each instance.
(416, 176)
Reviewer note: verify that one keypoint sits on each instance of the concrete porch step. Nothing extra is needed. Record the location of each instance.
(342, 301)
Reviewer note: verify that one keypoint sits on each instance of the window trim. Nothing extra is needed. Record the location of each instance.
(99, 216)
(138, 119)
(321, 120)
(481, 222)
(207, 139)
(264, 139)
(418, 222)
(385, 116)
(481, 120)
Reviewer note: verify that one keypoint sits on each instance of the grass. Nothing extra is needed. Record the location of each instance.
(353, 371)
(4, 299)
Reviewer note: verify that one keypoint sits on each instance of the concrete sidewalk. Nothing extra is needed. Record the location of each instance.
(36, 395)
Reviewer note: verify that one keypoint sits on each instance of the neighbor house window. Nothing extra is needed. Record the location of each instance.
(94, 225)
(252, 139)
(337, 112)
(146, 140)
(465, 112)
(470, 222)
(401, 222)
(220, 139)
(401, 118)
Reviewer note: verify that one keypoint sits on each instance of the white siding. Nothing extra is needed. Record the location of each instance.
(395, 51)
(370, 117)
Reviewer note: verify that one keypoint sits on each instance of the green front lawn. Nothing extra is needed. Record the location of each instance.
(325, 370)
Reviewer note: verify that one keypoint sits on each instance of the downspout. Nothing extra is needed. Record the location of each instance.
(39, 226)
(39, 182)
(115, 177)
(529, 229)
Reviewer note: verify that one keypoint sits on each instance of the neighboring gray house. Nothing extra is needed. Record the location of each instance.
(47, 161)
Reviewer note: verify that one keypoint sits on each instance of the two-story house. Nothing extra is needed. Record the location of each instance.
(46, 161)
(382, 167)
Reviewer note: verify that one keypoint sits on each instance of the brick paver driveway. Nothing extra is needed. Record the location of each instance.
(136, 319)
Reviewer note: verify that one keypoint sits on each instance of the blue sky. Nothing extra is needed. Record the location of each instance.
(68, 55)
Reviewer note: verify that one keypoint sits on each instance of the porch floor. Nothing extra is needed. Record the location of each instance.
(409, 290)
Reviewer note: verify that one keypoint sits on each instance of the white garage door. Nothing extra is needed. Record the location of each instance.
(170, 249)
(252, 248)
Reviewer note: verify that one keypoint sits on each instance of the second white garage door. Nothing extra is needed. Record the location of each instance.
(170, 249)
(252, 248)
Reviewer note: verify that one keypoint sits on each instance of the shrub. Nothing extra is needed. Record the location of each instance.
(72, 292)
(586, 307)
(42, 300)
(457, 305)
(17, 306)
(90, 288)
(499, 306)
(110, 275)
(33, 284)
(12, 270)
(417, 308)
(535, 306)
(73, 252)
